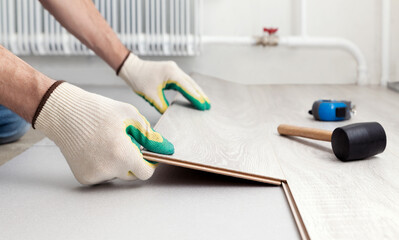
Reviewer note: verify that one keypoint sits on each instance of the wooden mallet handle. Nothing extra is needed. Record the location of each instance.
(312, 133)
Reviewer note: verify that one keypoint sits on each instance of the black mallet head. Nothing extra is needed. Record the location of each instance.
(358, 141)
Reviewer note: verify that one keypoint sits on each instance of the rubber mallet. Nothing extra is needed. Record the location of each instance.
(352, 142)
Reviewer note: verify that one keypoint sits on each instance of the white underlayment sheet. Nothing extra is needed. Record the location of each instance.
(40, 199)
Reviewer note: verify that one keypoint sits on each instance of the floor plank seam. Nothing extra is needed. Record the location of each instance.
(295, 211)
(211, 169)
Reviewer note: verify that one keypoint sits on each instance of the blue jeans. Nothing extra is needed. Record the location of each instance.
(12, 126)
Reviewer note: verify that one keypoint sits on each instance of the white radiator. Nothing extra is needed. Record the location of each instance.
(146, 27)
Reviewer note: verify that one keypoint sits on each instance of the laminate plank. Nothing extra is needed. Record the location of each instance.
(336, 200)
(229, 138)
(340, 200)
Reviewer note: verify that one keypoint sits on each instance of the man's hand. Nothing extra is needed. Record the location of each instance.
(99, 137)
(149, 79)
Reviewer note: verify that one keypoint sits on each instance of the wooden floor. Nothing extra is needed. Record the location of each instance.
(227, 137)
(11, 150)
(334, 199)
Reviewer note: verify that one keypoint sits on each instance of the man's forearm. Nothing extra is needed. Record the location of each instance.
(21, 86)
(84, 21)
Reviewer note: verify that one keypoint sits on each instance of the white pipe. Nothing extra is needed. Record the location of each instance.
(304, 41)
(228, 40)
(328, 42)
(293, 41)
(385, 37)
(303, 24)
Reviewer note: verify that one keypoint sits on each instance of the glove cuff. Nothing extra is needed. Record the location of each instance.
(44, 100)
(129, 70)
(122, 63)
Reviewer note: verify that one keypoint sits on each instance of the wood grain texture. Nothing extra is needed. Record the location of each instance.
(230, 136)
(340, 200)
(336, 200)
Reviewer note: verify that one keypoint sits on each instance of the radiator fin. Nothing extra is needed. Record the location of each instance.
(146, 27)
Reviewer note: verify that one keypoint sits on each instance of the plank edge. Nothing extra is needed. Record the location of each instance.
(279, 182)
(295, 211)
(206, 168)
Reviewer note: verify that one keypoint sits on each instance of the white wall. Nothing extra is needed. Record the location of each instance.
(394, 76)
(356, 20)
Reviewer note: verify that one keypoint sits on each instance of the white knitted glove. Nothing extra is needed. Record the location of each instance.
(149, 79)
(99, 137)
